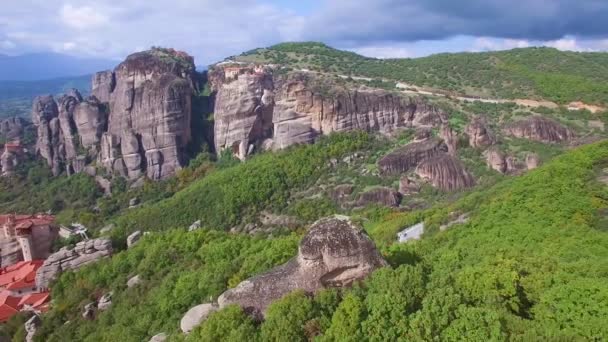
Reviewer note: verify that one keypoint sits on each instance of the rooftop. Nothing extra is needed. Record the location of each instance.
(20, 275)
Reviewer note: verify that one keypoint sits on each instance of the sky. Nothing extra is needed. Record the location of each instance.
(211, 30)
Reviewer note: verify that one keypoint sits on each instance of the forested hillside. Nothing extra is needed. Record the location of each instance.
(518, 270)
(537, 73)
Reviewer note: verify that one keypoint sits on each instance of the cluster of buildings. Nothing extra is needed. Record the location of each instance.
(25, 241)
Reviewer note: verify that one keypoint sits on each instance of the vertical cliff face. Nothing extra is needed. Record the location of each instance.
(66, 128)
(541, 129)
(255, 107)
(149, 98)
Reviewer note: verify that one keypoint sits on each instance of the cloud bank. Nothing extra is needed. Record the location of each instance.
(211, 30)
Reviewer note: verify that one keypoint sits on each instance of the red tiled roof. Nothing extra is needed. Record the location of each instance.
(10, 305)
(35, 219)
(20, 274)
(35, 299)
(6, 312)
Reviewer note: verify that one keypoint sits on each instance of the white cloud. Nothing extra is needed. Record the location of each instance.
(7, 45)
(492, 44)
(384, 51)
(565, 44)
(84, 17)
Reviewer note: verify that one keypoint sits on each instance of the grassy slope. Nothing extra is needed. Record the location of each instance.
(521, 73)
(532, 263)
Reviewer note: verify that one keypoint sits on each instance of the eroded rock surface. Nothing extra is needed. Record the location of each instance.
(405, 158)
(541, 129)
(84, 253)
(66, 126)
(450, 138)
(13, 128)
(256, 108)
(381, 196)
(479, 134)
(149, 98)
(334, 253)
(445, 172)
(496, 160)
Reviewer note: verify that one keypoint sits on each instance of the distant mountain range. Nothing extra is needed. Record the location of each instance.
(44, 66)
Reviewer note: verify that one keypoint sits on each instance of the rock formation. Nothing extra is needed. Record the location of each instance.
(381, 196)
(31, 326)
(162, 337)
(407, 186)
(405, 158)
(479, 134)
(134, 281)
(445, 172)
(11, 156)
(149, 98)
(450, 138)
(255, 108)
(84, 253)
(105, 302)
(334, 253)
(532, 161)
(137, 121)
(133, 238)
(541, 129)
(196, 316)
(496, 160)
(59, 124)
(13, 128)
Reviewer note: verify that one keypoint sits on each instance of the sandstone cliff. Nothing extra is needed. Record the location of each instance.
(446, 173)
(149, 98)
(405, 158)
(262, 108)
(66, 128)
(137, 122)
(13, 128)
(541, 129)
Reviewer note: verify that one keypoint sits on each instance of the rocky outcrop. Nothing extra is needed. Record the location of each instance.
(31, 326)
(84, 253)
(149, 98)
(407, 186)
(133, 238)
(405, 158)
(496, 160)
(445, 172)
(450, 138)
(105, 301)
(541, 129)
(196, 316)
(137, 121)
(13, 128)
(532, 161)
(10, 157)
(255, 107)
(162, 337)
(64, 127)
(509, 164)
(334, 253)
(381, 196)
(479, 134)
(134, 281)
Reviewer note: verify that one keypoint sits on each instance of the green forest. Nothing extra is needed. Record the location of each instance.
(518, 270)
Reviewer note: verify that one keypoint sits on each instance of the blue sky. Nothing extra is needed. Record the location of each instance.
(212, 29)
